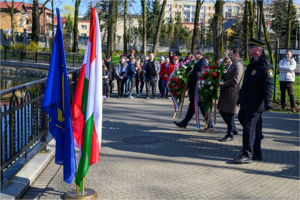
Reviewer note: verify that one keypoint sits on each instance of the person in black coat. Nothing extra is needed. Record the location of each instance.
(198, 67)
(110, 67)
(254, 98)
(105, 75)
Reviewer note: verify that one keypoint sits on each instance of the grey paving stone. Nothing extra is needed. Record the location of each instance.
(183, 164)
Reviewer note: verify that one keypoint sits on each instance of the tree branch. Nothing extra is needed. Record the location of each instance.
(12, 4)
(42, 9)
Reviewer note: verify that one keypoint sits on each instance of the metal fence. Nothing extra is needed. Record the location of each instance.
(23, 124)
(39, 56)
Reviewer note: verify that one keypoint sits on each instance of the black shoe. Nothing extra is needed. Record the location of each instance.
(226, 139)
(256, 157)
(243, 159)
(235, 132)
(180, 125)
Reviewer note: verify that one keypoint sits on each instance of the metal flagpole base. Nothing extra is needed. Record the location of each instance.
(88, 194)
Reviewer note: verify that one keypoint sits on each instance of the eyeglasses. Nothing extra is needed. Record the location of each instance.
(251, 47)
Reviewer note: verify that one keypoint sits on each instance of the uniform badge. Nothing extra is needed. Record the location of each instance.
(270, 73)
(253, 72)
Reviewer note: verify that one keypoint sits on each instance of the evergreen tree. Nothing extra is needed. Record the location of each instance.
(237, 33)
(69, 24)
(279, 10)
(178, 24)
(170, 27)
(87, 15)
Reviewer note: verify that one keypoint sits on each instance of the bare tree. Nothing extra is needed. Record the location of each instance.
(125, 26)
(245, 30)
(11, 12)
(160, 19)
(196, 24)
(218, 29)
(144, 27)
(75, 29)
(36, 19)
(251, 18)
(289, 23)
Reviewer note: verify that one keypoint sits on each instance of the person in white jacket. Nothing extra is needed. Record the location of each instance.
(287, 78)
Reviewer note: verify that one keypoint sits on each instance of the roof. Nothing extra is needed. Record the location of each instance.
(229, 23)
(30, 5)
(17, 5)
(82, 20)
(63, 20)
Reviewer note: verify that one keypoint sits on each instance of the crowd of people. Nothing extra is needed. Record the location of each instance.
(132, 73)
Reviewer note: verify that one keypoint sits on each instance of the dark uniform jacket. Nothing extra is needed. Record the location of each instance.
(105, 73)
(198, 67)
(257, 88)
(110, 66)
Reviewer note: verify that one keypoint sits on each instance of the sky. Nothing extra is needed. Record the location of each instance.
(136, 7)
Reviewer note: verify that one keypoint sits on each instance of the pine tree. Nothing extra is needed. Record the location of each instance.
(178, 24)
(68, 24)
(237, 33)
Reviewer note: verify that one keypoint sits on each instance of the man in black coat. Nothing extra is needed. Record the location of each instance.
(198, 67)
(254, 98)
(110, 66)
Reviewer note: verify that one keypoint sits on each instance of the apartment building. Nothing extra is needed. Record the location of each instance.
(187, 10)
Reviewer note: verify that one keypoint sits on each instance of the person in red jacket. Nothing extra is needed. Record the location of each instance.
(175, 65)
(164, 75)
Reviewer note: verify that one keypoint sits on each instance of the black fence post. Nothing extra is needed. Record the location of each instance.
(36, 55)
(73, 59)
(21, 55)
(5, 54)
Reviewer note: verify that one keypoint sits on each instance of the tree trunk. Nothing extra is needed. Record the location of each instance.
(114, 46)
(218, 30)
(110, 30)
(35, 21)
(251, 18)
(52, 18)
(257, 4)
(125, 26)
(75, 29)
(144, 28)
(160, 19)
(267, 38)
(245, 31)
(196, 24)
(289, 22)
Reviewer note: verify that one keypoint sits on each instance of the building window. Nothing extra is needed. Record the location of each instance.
(168, 12)
(202, 15)
(209, 8)
(298, 9)
(22, 22)
(193, 14)
(228, 9)
(193, 20)
(168, 18)
(202, 21)
(175, 6)
(193, 8)
(186, 20)
(83, 34)
(236, 8)
(235, 14)
(228, 15)
(209, 14)
(83, 27)
(213, 8)
(180, 6)
(187, 14)
(169, 5)
(202, 7)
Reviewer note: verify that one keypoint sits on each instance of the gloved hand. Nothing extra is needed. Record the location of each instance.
(238, 101)
(268, 106)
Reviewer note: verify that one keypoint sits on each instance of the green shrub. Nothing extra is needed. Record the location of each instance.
(19, 47)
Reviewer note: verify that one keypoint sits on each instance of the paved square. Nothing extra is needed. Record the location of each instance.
(183, 164)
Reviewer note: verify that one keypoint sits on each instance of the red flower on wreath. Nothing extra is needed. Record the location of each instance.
(172, 92)
(216, 66)
(216, 63)
(178, 82)
(179, 86)
(215, 74)
(201, 78)
(205, 73)
(206, 67)
(210, 67)
(176, 93)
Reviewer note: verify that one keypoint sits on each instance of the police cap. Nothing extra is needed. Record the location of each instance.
(255, 42)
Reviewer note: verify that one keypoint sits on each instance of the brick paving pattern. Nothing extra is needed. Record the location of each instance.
(183, 164)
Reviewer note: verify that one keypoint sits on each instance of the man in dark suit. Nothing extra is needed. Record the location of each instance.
(198, 67)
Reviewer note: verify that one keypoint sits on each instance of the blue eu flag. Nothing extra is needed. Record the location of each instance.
(56, 103)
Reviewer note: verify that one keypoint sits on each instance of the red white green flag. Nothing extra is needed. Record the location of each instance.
(86, 107)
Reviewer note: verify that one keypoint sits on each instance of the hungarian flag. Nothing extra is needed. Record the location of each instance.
(86, 108)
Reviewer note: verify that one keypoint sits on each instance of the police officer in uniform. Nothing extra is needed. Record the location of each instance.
(254, 98)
